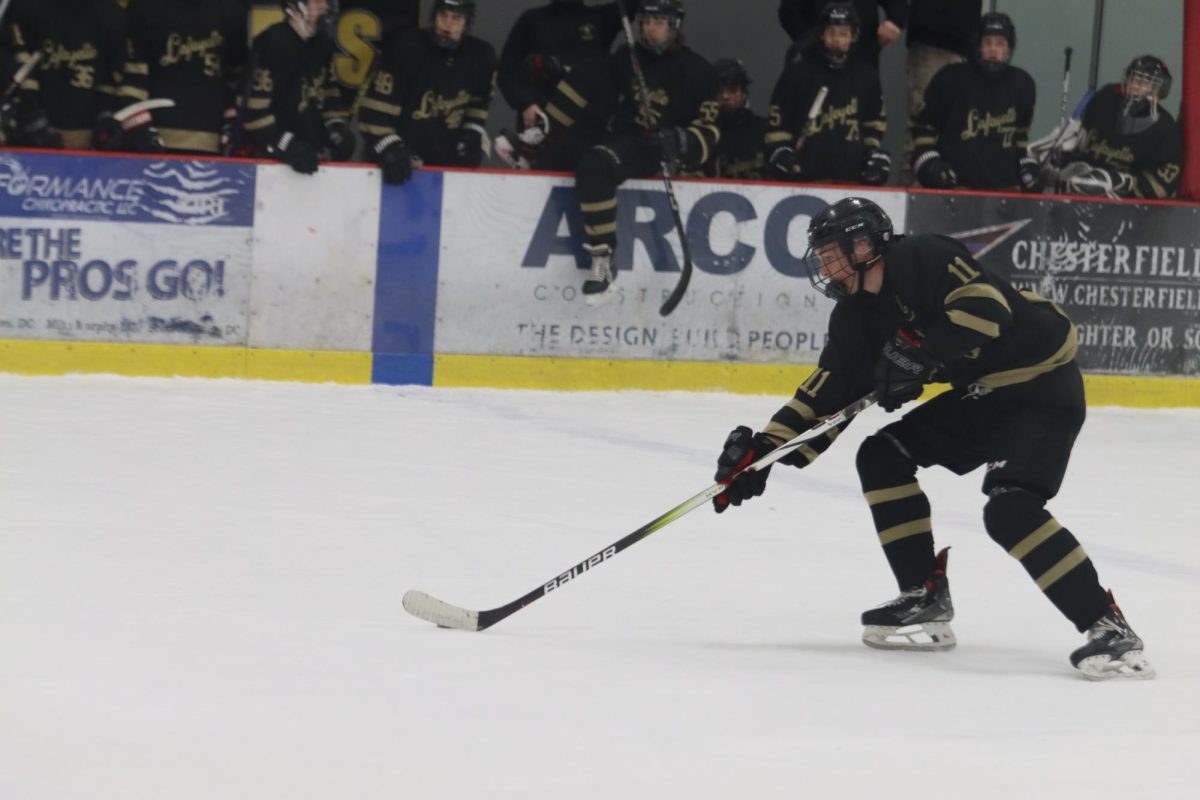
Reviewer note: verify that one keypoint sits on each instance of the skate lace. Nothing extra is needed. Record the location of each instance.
(905, 597)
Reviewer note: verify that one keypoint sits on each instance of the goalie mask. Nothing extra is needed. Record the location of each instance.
(442, 33)
(669, 11)
(308, 17)
(1147, 83)
(839, 31)
(844, 241)
(991, 54)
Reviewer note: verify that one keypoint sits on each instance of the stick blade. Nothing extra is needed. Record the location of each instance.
(444, 615)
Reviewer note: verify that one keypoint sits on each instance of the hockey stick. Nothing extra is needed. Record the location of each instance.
(685, 275)
(1056, 149)
(814, 111)
(430, 609)
(21, 74)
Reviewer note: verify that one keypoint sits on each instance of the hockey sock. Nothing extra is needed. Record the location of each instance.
(899, 508)
(1017, 520)
(596, 187)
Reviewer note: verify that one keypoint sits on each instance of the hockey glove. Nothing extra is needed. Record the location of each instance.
(877, 167)
(742, 448)
(675, 146)
(934, 172)
(468, 148)
(785, 164)
(296, 153)
(143, 139)
(394, 159)
(342, 140)
(107, 133)
(36, 131)
(1030, 171)
(547, 68)
(902, 372)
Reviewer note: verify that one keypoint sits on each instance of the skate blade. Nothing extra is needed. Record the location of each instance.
(923, 636)
(596, 293)
(1131, 665)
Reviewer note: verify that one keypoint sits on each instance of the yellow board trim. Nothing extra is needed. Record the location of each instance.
(153, 360)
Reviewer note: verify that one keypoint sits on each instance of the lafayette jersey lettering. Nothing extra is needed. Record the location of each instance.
(851, 123)
(1153, 156)
(82, 47)
(425, 93)
(740, 153)
(189, 52)
(977, 122)
(291, 87)
(974, 322)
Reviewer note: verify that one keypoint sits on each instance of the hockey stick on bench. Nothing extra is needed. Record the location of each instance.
(430, 609)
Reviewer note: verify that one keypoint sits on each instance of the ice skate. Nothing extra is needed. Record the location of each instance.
(919, 619)
(1113, 650)
(598, 288)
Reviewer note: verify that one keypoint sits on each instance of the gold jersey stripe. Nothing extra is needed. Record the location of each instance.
(601, 205)
(199, 141)
(377, 130)
(134, 92)
(558, 116)
(1044, 532)
(1062, 356)
(572, 95)
(259, 124)
(898, 532)
(258, 103)
(136, 68)
(965, 320)
(981, 290)
(380, 106)
(1069, 562)
(879, 496)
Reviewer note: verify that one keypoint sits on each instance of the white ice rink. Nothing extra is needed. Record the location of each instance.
(200, 588)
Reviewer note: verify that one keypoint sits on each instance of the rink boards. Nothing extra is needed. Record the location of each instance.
(140, 266)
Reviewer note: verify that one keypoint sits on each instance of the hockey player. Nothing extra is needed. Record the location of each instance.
(675, 123)
(839, 139)
(741, 151)
(429, 101)
(803, 21)
(68, 100)
(916, 309)
(544, 44)
(973, 129)
(1130, 146)
(192, 52)
(292, 111)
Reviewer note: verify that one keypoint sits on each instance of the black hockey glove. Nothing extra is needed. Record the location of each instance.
(902, 372)
(468, 147)
(296, 153)
(143, 139)
(935, 172)
(785, 164)
(742, 448)
(107, 133)
(877, 167)
(1030, 172)
(675, 146)
(547, 68)
(394, 159)
(35, 130)
(342, 141)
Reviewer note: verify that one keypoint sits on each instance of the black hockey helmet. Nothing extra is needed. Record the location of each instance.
(1153, 70)
(672, 11)
(464, 7)
(846, 223)
(731, 72)
(837, 13)
(995, 23)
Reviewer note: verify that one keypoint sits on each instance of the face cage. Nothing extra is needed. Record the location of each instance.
(1135, 105)
(827, 284)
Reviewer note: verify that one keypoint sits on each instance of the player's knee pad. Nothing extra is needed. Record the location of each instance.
(883, 461)
(1012, 513)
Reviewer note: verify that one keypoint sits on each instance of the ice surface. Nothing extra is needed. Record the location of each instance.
(200, 588)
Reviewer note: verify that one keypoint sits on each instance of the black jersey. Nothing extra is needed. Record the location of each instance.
(291, 87)
(978, 122)
(1154, 156)
(851, 122)
(426, 93)
(985, 332)
(741, 152)
(193, 53)
(82, 46)
(948, 24)
(578, 35)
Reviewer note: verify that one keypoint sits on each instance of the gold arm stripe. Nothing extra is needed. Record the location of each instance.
(878, 496)
(807, 452)
(132, 91)
(984, 326)
(380, 106)
(77, 139)
(259, 124)
(31, 85)
(600, 230)
(201, 141)
(258, 103)
(922, 141)
(780, 430)
(775, 137)
(1062, 356)
(898, 532)
(983, 290)
(1159, 190)
(476, 113)
(558, 116)
(876, 125)
(871, 141)
(377, 130)
(1026, 545)
(703, 144)
(803, 409)
(1069, 562)
(572, 95)
(601, 205)
(136, 68)
(106, 88)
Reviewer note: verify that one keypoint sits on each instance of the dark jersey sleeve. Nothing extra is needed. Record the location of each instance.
(928, 122)
(516, 48)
